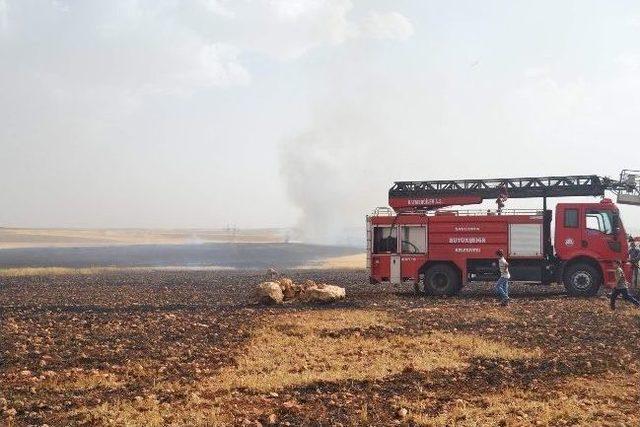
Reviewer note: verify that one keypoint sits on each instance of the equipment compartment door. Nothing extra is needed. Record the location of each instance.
(525, 240)
(385, 249)
(395, 270)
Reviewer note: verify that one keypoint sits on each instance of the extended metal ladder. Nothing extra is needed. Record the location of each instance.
(434, 194)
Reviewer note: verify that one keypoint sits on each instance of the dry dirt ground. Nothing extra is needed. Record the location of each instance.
(187, 348)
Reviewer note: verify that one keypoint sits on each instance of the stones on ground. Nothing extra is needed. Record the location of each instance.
(402, 413)
(284, 289)
(289, 289)
(270, 293)
(323, 293)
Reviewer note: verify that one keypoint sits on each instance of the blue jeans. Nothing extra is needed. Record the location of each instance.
(502, 288)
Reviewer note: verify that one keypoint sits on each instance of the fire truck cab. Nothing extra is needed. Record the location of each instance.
(441, 250)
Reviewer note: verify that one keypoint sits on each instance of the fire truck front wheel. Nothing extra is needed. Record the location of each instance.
(441, 279)
(582, 279)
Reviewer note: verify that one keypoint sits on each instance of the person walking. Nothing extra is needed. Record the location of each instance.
(622, 288)
(634, 257)
(502, 285)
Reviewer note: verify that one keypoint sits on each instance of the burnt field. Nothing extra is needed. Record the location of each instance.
(226, 254)
(189, 348)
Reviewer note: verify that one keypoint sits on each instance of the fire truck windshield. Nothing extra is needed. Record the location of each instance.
(600, 220)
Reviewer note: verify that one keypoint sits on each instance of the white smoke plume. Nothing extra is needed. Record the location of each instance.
(337, 170)
(360, 140)
(332, 173)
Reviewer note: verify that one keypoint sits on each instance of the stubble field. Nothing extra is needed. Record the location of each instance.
(190, 348)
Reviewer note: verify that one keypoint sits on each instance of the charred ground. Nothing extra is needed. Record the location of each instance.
(188, 347)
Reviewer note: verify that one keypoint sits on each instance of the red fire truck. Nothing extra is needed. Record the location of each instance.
(441, 250)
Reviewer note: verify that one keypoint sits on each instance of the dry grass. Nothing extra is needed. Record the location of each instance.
(82, 381)
(346, 262)
(575, 402)
(88, 271)
(301, 349)
(148, 411)
(341, 345)
(493, 314)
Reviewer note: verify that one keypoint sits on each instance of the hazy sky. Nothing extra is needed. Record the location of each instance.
(260, 113)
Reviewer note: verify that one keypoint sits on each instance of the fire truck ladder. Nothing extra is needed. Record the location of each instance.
(428, 195)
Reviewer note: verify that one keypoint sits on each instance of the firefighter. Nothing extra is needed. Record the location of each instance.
(500, 202)
(622, 288)
(502, 285)
(504, 195)
(634, 257)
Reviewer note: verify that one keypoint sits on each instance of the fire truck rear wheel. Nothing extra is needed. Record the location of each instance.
(441, 279)
(582, 279)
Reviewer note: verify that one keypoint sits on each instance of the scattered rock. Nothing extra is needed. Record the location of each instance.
(270, 293)
(285, 283)
(284, 289)
(323, 293)
(402, 413)
(289, 289)
(289, 404)
(272, 420)
(308, 284)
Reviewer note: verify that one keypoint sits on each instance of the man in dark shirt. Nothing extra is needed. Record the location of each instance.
(634, 257)
(621, 288)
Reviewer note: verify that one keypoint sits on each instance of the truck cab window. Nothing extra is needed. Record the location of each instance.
(385, 240)
(571, 218)
(414, 239)
(600, 221)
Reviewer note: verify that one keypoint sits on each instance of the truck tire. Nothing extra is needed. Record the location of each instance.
(441, 279)
(582, 279)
